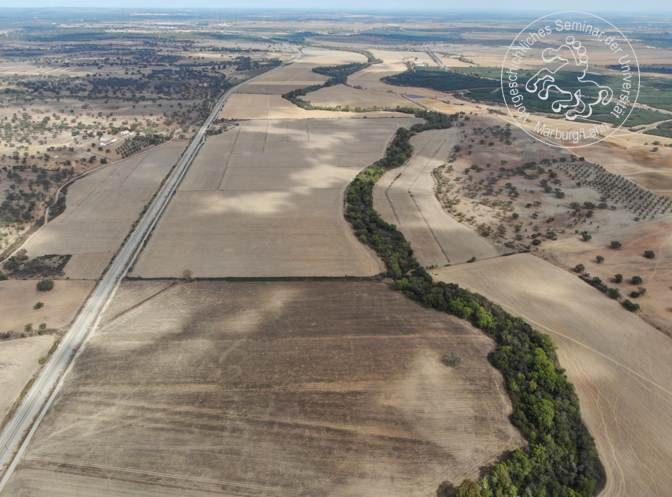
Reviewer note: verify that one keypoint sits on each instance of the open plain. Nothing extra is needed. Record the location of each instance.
(240, 358)
(294, 389)
(266, 199)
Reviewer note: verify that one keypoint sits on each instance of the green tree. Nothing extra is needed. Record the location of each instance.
(468, 488)
(45, 285)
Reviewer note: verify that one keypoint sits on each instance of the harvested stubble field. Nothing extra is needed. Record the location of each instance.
(299, 73)
(17, 298)
(20, 353)
(266, 199)
(406, 198)
(100, 209)
(290, 389)
(246, 106)
(342, 96)
(618, 363)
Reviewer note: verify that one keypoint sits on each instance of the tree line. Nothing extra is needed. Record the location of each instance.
(560, 459)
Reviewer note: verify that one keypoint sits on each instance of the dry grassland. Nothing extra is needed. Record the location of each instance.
(100, 210)
(19, 361)
(656, 303)
(644, 159)
(283, 389)
(406, 197)
(266, 199)
(619, 364)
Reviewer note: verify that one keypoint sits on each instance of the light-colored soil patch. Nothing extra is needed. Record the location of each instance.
(283, 389)
(100, 210)
(619, 364)
(656, 303)
(17, 298)
(266, 199)
(19, 361)
(406, 198)
(341, 96)
(246, 106)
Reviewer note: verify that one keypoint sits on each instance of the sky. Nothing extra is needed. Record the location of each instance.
(643, 6)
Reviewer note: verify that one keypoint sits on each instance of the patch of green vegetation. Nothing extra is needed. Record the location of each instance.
(560, 459)
(663, 129)
(483, 84)
(21, 266)
(45, 285)
(399, 35)
(442, 80)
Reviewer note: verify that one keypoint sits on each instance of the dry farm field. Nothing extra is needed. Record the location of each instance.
(255, 348)
(654, 292)
(299, 73)
(266, 199)
(252, 106)
(406, 198)
(291, 389)
(18, 298)
(618, 363)
(100, 209)
(345, 96)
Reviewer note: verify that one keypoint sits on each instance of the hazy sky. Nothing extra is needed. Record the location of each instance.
(488, 5)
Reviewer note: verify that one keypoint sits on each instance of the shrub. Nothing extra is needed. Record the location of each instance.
(649, 254)
(599, 259)
(579, 268)
(586, 237)
(615, 244)
(618, 278)
(613, 293)
(451, 360)
(3, 276)
(631, 306)
(45, 285)
(636, 280)
(38, 305)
